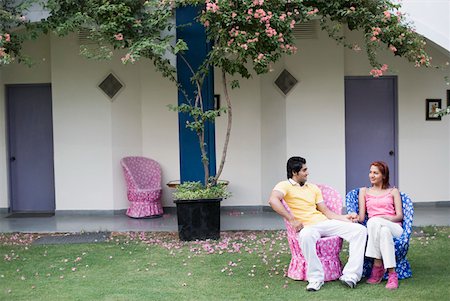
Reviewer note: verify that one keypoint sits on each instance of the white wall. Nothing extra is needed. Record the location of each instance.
(82, 130)
(273, 132)
(424, 160)
(126, 125)
(243, 162)
(159, 125)
(315, 110)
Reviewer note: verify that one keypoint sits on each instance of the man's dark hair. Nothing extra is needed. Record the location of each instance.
(294, 164)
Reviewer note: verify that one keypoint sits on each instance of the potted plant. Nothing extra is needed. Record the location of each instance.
(198, 210)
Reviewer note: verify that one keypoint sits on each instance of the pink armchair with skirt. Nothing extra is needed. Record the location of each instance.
(143, 178)
(328, 248)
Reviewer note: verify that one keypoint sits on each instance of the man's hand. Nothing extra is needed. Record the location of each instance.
(352, 217)
(297, 225)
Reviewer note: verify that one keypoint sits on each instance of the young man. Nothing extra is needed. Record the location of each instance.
(312, 219)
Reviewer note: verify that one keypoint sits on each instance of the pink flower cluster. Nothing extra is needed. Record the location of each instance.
(375, 32)
(212, 6)
(375, 72)
(422, 60)
(289, 48)
(128, 58)
(259, 57)
(6, 36)
(312, 12)
(118, 37)
(270, 31)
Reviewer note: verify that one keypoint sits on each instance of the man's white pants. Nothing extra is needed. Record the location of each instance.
(354, 233)
(380, 243)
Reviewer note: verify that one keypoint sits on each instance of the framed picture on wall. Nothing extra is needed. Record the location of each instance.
(431, 105)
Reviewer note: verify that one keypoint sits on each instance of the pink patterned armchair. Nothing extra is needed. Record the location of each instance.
(143, 177)
(328, 248)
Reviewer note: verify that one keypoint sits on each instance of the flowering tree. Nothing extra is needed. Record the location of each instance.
(10, 41)
(247, 36)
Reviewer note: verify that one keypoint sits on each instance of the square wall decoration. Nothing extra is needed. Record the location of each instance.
(111, 86)
(285, 82)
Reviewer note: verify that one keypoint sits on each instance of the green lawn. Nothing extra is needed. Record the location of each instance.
(246, 265)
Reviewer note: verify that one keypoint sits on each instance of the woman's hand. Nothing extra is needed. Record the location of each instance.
(388, 217)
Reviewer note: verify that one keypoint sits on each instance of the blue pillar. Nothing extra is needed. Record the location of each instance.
(191, 168)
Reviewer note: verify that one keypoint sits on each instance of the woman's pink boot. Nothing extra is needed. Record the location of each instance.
(376, 275)
(392, 282)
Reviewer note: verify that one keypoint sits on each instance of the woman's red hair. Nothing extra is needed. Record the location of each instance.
(384, 169)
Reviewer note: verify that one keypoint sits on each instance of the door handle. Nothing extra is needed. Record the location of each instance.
(391, 153)
(12, 159)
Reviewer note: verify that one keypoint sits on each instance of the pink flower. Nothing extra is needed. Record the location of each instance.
(377, 72)
(206, 23)
(7, 37)
(376, 31)
(118, 37)
(127, 58)
(213, 7)
(292, 25)
(387, 14)
(352, 8)
(283, 17)
(312, 12)
(392, 48)
(260, 56)
(384, 68)
(373, 39)
(271, 32)
(233, 15)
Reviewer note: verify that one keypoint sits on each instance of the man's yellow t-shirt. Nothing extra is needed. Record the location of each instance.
(302, 201)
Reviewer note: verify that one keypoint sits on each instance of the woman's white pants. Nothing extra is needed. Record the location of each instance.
(380, 243)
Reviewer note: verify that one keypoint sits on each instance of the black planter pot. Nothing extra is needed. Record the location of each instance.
(198, 219)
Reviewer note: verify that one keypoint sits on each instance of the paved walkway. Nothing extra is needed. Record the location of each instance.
(425, 214)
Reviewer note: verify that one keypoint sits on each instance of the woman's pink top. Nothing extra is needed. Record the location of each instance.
(377, 205)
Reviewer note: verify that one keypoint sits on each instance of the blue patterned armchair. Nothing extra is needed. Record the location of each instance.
(403, 268)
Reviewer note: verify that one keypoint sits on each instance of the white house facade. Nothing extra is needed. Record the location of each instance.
(91, 132)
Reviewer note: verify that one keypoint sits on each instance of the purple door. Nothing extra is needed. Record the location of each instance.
(370, 127)
(30, 135)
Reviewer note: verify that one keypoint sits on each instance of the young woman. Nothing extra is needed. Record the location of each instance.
(384, 208)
